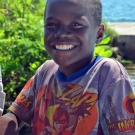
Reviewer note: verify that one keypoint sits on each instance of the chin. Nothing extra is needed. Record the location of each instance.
(62, 63)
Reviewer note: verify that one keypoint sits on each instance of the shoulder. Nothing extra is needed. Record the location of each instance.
(47, 70)
(111, 72)
(47, 66)
(112, 68)
(109, 62)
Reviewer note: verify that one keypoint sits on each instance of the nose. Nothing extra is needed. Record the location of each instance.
(63, 32)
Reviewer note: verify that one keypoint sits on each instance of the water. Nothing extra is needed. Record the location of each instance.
(119, 10)
(132, 76)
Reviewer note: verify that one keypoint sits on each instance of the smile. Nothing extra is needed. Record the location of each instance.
(64, 47)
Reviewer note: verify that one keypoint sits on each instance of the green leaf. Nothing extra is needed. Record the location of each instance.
(103, 51)
(34, 65)
(107, 53)
(105, 41)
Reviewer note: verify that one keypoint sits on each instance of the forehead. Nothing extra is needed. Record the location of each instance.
(57, 8)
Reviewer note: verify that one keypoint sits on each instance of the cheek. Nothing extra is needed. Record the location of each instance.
(91, 38)
(47, 39)
(48, 34)
(84, 35)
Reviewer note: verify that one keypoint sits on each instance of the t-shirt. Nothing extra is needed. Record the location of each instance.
(96, 100)
(2, 95)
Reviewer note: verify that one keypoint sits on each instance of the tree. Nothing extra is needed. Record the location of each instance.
(21, 42)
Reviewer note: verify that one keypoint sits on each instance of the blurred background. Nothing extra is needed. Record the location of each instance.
(119, 10)
(22, 49)
(120, 16)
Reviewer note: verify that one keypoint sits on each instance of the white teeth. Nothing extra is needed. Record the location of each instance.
(64, 47)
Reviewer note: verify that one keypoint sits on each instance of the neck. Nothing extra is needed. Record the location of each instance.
(71, 69)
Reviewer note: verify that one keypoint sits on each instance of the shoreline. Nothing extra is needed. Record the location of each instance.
(126, 39)
(123, 28)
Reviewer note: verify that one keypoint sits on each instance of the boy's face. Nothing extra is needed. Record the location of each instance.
(70, 33)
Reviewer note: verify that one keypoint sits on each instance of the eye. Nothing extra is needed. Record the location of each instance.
(51, 25)
(76, 25)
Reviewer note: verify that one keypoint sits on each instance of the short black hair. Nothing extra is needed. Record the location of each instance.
(94, 8)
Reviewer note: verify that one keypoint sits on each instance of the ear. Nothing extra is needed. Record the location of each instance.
(100, 33)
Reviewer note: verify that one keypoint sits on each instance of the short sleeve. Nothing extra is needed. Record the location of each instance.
(24, 103)
(117, 103)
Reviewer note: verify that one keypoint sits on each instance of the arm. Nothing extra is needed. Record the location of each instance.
(116, 101)
(8, 124)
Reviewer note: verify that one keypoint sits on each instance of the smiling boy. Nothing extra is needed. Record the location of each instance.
(96, 93)
(70, 34)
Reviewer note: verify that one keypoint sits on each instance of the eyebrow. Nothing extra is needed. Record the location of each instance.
(82, 17)
(49, 18)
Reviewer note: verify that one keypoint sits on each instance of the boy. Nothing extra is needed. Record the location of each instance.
(94, 95)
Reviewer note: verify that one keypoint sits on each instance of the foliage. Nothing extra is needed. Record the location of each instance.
(109, 31)
(21, 42)
(126, 62)
(104, 48)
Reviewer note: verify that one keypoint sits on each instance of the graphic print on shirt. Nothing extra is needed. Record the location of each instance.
(126, 122)
(67, 113)
(22, 99)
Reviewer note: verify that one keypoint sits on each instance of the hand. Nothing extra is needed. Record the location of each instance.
(8, 124)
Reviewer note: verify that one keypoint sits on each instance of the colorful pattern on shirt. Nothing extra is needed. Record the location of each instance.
(100, 102)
